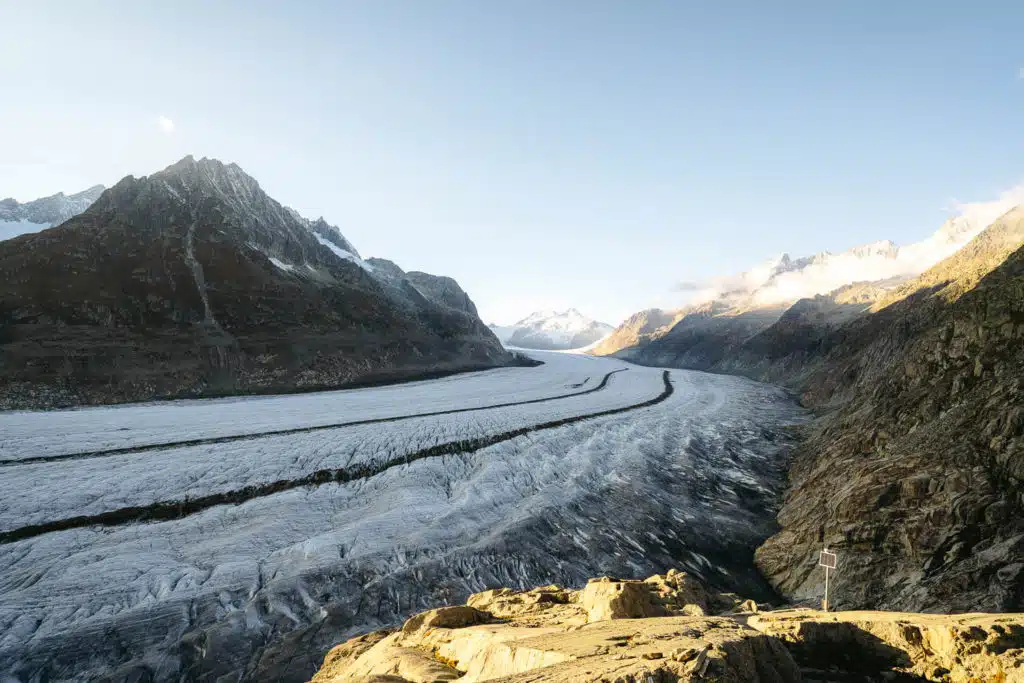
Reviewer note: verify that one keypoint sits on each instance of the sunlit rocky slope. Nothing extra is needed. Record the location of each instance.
(914, 469)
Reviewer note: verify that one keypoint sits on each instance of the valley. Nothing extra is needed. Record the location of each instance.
(570, 479)
(362, 342)
(223, 487)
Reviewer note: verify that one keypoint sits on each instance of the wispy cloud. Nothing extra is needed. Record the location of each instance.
(780, 280)
(166, 125)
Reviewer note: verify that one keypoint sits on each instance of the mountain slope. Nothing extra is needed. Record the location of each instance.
(554, 330)
(912, 471)
(914, 475)
(792, 347)
(702, 336)
(18, 219)
(636, 331)
(733, 310)
(193, 281)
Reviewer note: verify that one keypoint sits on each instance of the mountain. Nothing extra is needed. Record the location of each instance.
(703, 335)
(636, 331)
(440, 289)
(914, 470)
(502, 332)
(728, 312)
(192, 281)
(568, 329)
(18, 219)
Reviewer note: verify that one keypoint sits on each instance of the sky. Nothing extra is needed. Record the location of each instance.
(545, 154)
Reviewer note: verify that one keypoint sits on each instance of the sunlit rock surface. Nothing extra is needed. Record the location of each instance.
(623, 631)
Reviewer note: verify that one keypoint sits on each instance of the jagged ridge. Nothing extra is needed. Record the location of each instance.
(193, 281)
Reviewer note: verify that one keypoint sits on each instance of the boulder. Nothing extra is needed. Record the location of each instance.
(607, 598)
(457, 616)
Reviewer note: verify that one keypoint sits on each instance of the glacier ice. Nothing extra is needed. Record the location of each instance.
(259, 591)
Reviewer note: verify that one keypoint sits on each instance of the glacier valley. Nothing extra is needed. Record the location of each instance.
(238, 539)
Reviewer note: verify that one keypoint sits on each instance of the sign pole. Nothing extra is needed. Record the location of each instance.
(826, 559)
(824, 605)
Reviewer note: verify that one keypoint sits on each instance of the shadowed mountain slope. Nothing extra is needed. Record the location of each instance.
(193, 282)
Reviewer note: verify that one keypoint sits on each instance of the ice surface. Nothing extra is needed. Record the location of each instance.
(41, 433)
(259, 591)
(109, 483)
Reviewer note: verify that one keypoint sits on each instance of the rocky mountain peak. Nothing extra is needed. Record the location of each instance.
(212, 177)
(45, 212)
(550, 329)
(225, 289)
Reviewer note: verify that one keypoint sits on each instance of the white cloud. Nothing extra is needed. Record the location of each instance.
(166, 125)
(781, 280)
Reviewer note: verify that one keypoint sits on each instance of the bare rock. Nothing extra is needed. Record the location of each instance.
(955, 648)
(607, 598)
(457, 616)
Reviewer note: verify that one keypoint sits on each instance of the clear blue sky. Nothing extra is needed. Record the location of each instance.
(545, 153)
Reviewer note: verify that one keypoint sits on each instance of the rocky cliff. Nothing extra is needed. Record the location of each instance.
(671, 628)
(636, 331)
(915, 472)
(194, 282)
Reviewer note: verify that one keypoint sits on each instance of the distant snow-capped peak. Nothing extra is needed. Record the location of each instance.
(551, 319)
(783, 279)
(550, 329)
(18, 219)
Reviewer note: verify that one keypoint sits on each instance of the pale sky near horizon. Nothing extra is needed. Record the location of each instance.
(545, 154)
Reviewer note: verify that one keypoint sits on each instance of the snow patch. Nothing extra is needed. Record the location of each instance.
(347, 255)
(287, 267)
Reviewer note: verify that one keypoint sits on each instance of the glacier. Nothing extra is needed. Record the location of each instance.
(260, 590)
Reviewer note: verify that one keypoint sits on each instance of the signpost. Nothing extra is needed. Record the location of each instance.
(827, 560)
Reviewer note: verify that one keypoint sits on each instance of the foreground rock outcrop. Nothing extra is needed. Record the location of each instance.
(611, 630)
(671, 628)
(194, 282)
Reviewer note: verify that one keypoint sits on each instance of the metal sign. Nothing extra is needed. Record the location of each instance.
(827, 559)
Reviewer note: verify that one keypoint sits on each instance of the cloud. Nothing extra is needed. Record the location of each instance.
(781, 279)
(166, 125)
(687, 286)
(986, 212)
